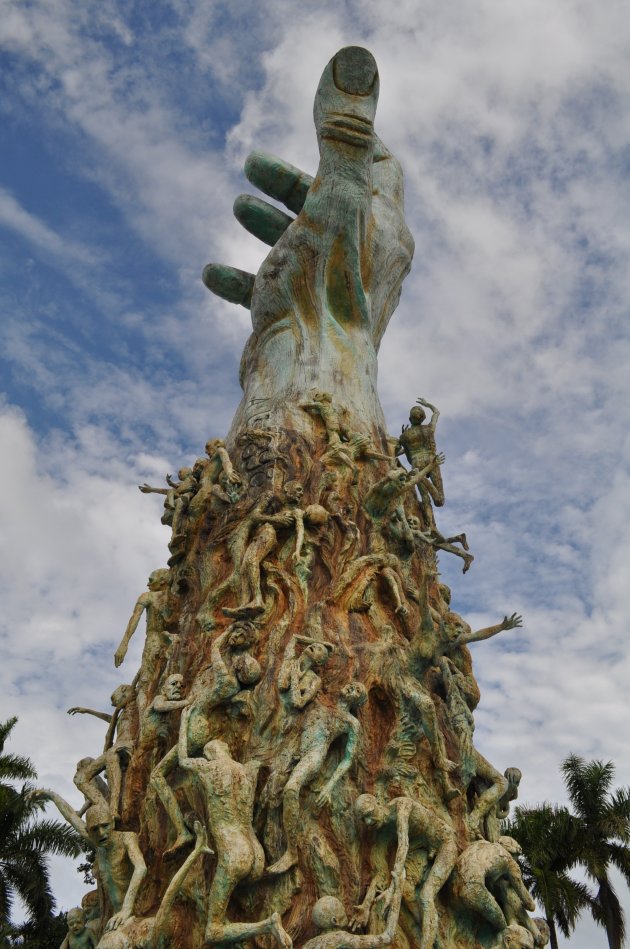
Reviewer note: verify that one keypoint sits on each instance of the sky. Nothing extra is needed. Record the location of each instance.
(123, 131)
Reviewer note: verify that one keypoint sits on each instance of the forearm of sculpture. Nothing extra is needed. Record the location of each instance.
(227, 464)
(132, 625)
(182, 745)
(67, 812)
(421, 473)
(402, 830)
(79, 710)
(139, 872)
(160, 704)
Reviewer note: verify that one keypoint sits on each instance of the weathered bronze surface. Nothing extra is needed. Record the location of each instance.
(294, 761)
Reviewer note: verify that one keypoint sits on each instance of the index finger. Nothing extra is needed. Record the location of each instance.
(278, 179)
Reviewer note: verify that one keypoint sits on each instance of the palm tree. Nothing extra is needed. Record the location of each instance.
(548, 837)
(25, 842)
(603, 836)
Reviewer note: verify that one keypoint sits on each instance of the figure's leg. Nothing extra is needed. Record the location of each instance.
(438, 875)
(466, 557)
(428, 719)
(302, 774)
(114, 779)
(263, 543)
(487, 800)
(84, 780)
(391, 582)
(231, 869)
(478, 898)
(169, 802)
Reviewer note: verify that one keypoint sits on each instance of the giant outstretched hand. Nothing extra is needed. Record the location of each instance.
(324, 295)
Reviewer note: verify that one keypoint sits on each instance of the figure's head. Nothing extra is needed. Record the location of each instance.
(322, 397)
(317, 653)
(293, 492)
(417, 415)
(516, 937)
(174, 687)
(213, 445)
(216, 749)
(353, 695)
(329, 913)
(184, 473)
(512, 846)
(370, 811)
(123, 695)
(246, 669)
(90, 904)
(397, 476)
(75, 920)
(413, 521)
(242, 635)
(99, 825)
(545, 932)
(513, 776)
(158, 579)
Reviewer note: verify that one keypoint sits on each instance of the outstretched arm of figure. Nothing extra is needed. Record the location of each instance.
(147, 489)
(325, 795)
(67, 812)
(418, 474)
(79, 710)
(299, 534)
(226, 464)
(508, 622)
(130, 841)
(163, 913)
(132, 625)
(160, 704)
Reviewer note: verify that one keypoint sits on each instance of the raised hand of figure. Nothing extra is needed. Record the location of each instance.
(385, 897)
(512, 622)
(77, 710)
(37, 795)
(118, 919)
(324, 295)
(145, 488)
(360, 918)
(324, 797)
(440, 458)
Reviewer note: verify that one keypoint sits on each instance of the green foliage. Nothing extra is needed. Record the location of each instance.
(25, 841)
(594, 836)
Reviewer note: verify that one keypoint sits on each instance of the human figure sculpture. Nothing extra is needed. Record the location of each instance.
(389, 664)
(152, 932)
(229, 788)
(416, 828)
(118, 861)
(262, 543)
(479, 871)
(177, 497)
(329, 915)
(79, 936)
(417, 443)
(501, 810)
(157, 638)
(344, 447)
(322, 726)
(216, 685)
(438, 541)
(297, 677)
(472, 762)
(154, 724)
(120, 742)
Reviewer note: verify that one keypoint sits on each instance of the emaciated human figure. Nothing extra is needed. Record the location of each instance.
(216, 685)
(262, 543)
(322, 726)
(438, 541)
(123, 723)
(482, 868)
(152, 932)
(157, 639)
(417, 443)
(329, 915)
(79, 936)
(344, 447)
(416, 828)
(154, 724)
(229, 788)
(297, 676)
(118, 860)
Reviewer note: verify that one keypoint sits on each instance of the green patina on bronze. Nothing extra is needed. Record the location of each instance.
(294, 761)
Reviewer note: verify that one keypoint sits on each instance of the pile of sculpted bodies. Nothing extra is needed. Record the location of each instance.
(300, 730)
(294, 762)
